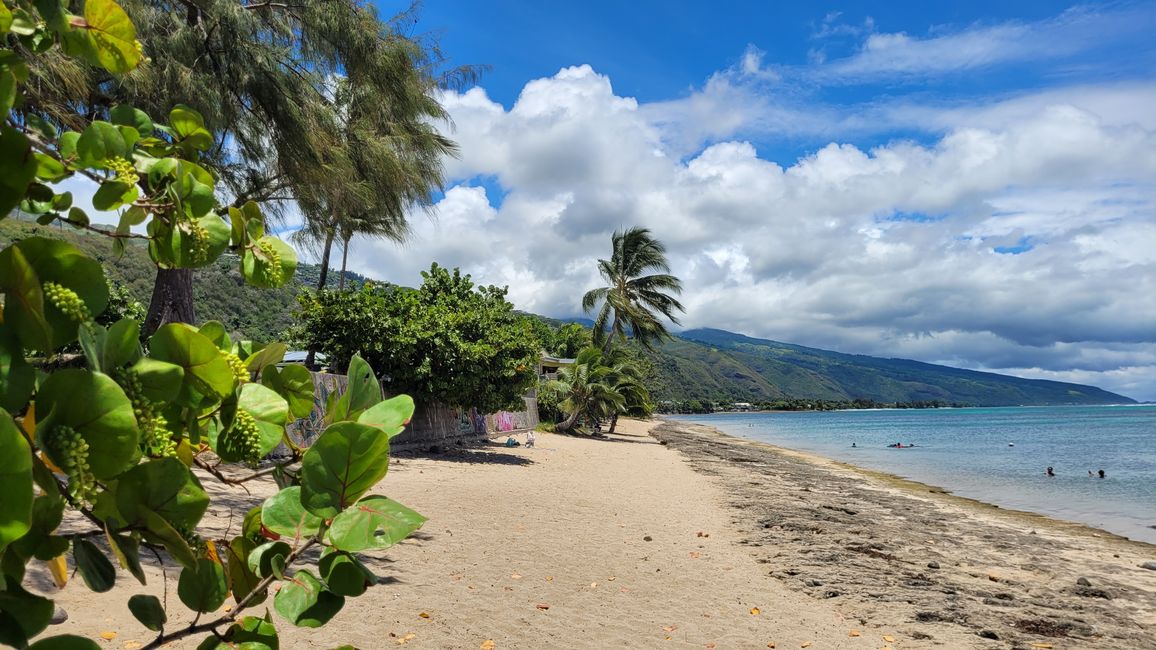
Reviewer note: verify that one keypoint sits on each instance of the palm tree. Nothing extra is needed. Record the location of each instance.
(626, 377)
(634, 300)
(588, 387)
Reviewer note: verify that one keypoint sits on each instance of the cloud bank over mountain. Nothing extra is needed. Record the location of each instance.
(1013, 232)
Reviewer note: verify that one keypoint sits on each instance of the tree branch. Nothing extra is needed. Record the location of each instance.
(232, 615)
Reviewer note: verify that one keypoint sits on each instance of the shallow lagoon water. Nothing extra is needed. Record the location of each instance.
(968, 452)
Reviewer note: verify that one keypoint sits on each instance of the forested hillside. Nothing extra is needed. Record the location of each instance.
(719, 365)
(219, 291)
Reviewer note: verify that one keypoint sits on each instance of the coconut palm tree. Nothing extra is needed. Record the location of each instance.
(632, 299)
(588, 388)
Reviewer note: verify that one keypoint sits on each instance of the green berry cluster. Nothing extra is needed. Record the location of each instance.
(243, 440)
(125, 171)
(195, 541)
(240, 370)
(156, 440)
(67, 301)
(70, 449)
(274, 259)
(200, 238)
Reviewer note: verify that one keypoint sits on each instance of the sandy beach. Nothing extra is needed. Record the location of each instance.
(688, 538)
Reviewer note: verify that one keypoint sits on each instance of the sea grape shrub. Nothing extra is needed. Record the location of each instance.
(447, 341)
(114, 433)
(118, 438)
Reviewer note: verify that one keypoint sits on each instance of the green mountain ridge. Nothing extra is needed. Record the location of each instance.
(700, 364)
(719, 365)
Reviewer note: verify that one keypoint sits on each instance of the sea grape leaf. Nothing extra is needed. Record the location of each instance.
(65, 642)
(148, 610)
(125, 115)
(17, 377)
(373, 522)
(390, 416)
(295, 384)
(37, 260)
(113, 36)
(260, 271)
(94, 566)
(268, 558)
(202, 588)
(250, 633)
(215, 331)
(344, 574)
(126, 548)
(15, 482)
(165, 487)
(207, 373)
(22, 615)
(268, 355)
(242, 579)
(104, 418)
(305, 602)
(160, 381)
(363, 388)
(17, 168)
(284, 514)
(269, 409)
(346, 460)
(121, 344)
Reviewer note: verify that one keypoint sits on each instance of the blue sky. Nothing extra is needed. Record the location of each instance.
(963, 183)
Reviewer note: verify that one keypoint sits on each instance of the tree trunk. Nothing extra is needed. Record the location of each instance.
(344, 259)
(568, 424)
(613, 423)
(172, 300)
(310, 358)
(325, 252)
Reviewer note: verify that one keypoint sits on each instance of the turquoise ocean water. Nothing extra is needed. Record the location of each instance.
(968, 451)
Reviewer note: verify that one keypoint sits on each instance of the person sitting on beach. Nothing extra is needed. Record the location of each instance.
(529, 439)
(1050, 472)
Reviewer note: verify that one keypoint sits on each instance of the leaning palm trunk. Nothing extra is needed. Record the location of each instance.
(613, 423)
(568, 424)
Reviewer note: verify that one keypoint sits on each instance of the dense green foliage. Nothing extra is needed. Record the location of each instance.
(709, 364)
(115, 439)
(448, 340)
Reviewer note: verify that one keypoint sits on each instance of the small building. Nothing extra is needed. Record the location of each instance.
(742, 406)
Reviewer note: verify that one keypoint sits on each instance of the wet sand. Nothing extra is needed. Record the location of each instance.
(920, 560)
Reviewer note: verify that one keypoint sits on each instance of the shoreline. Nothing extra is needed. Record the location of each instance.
(1127, 517)
(922, 558)
(917, 488)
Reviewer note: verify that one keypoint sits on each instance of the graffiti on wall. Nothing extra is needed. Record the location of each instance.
(304, 431)
(432, 423)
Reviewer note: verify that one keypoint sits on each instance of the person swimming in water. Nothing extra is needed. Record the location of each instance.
(1101, 473)
(1049, 472)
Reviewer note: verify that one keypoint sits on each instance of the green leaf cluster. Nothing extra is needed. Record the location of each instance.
(447, 341)
(116, 431)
